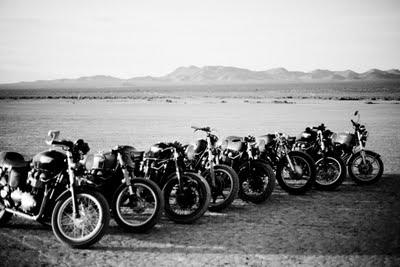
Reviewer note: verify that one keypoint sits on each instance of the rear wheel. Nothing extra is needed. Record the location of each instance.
(257, 181)
(89, 227)
(299, 179)
(331, 172)
(367, 172)
(140, 211)
(4, 215)
(226, 187)
(188, 202)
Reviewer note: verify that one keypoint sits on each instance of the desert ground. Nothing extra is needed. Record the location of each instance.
(353, 226)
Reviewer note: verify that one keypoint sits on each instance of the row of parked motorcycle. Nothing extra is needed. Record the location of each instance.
(78, 194)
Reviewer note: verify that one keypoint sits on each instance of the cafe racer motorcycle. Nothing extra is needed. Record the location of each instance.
(136, 203)
(202, 157)
(364, 166)
(47, 189)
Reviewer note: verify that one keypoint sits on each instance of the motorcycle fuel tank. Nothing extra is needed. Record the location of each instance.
(306, 136)
(52, 160)
(234, 143)
(157, 151)
(264, 141)
(104, 161)
(342, 138)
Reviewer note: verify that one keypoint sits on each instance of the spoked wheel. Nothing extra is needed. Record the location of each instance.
(187, 202)
(86, 229)
(140, 211)
(225, 189)
(257, 181)
(299, 179)
(331, 172)
(367, 172)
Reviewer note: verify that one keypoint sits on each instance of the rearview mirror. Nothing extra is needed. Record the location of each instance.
(53, 134)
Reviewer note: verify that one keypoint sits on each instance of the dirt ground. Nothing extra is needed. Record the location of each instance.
(354, 226)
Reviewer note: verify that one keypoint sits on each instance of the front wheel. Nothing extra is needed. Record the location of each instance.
(331, 171)
(187, 201)
(257, 181)
(301, 177)
(141, 210)
(367, 172)
(226, 187)
(91, 224)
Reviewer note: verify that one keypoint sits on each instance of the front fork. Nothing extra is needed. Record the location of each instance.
(127, 175)
(362, 151)
(291, 165)
(177, 169)
(71, 176)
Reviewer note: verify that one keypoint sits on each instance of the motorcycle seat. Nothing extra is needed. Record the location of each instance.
(13, 160)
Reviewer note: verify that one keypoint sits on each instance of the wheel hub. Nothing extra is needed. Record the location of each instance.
(186, 197)
(365, 168)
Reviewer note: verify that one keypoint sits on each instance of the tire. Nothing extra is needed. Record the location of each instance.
(296, 183)
(226, 189)
(193, 201)
(256, 181)
(147, 210)
(331, 172)
(4, 215)
(63, 210)
(359, 172)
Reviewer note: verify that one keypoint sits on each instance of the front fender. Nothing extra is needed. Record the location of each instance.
(369, 152)
(67, 192)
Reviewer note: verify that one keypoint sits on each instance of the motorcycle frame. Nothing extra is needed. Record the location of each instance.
(163, 163)
(210, 158)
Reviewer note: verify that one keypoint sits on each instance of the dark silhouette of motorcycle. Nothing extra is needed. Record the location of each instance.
(256, 177)
(202, 157)
(295, 170)
(186, 194)
(331, 169)
(136, 203)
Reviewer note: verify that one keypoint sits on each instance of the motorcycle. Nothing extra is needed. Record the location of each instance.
(364, 166)
(47, 189)
(186, 194)
(295, 170)
(202, 157)
(136, 203)
(256, 177)
(331, 169)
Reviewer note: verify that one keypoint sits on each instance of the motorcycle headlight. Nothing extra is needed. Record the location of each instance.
(190, 152)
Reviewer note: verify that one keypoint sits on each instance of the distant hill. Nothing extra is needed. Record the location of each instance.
(214, 75)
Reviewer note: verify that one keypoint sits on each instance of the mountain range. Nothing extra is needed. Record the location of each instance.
(215, 75)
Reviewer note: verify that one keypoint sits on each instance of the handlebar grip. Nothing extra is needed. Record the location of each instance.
(64, 143)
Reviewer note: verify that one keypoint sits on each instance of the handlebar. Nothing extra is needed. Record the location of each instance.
(204, 129)
(64, 143)
(249, 139)
(355, 124)
(320, 127)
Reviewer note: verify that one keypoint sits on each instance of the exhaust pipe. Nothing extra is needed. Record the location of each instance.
(21, 214)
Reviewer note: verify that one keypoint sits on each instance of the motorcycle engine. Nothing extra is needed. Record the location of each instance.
(27, 200)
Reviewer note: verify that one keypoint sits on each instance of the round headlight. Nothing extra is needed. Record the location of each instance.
(190, 152)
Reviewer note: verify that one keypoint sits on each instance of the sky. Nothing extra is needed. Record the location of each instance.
(50, 39)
